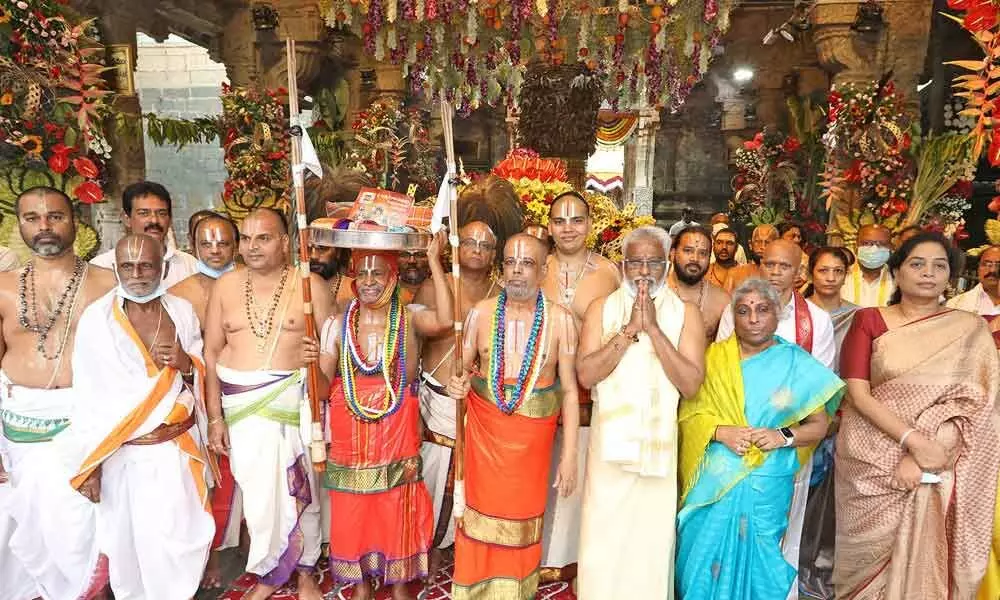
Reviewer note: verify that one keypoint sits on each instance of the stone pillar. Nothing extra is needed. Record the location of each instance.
(237, 49)
(640, 188)
(128, 159)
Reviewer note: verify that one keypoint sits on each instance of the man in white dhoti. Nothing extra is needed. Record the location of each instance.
(803, 323)
(641, 349)
(137, 422)
(257, 409)
(576, 277)
(477, 255)
(47, 530)
(984, 298)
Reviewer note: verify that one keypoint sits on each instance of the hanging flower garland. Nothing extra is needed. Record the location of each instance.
(615, 130)
(256, 148)
(475, 52)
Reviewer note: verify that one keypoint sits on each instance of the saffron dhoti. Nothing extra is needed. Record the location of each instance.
(268, 421)
(50, 530)
(380, 511)
(498, 550)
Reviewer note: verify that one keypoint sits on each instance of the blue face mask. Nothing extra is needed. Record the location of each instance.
(214, 273)
(873, 257)
(160, 290)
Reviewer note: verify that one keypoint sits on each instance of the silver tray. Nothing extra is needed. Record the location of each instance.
(369, 240)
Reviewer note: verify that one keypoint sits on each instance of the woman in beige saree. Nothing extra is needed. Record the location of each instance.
(917, 453)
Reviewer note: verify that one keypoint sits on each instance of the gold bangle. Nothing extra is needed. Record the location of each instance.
(215, 420)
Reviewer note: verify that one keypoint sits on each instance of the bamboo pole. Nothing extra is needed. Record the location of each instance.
(318, 445)
(447, 114)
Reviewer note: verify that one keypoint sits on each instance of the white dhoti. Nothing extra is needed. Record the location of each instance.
(269, 423)
(50, 529)
(17, 584)
(139, 424)
(792, 542)
(561, 534)
(437, 410)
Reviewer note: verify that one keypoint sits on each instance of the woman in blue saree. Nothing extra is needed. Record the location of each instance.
(764, 405)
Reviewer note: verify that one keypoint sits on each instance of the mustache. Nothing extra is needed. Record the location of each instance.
(153, 227)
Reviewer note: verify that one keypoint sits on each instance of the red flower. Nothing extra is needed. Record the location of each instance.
(61, 148)
(86, 167)
(853, 174)
(993, 153)
(906, 142)
(961, 188)
(88, 192)
(994, 205)
(791, 145)
(609, 235)
(897, 205)
(961, 233)
(59, 162)
(274, 155)
(981, 17)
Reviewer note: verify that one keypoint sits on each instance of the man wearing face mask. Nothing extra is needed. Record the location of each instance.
(258, 413)
(146, 208)
(137, 425)
(803, 323)
(761, 237)
(380, 512)
(213, 239)
(870, 283)
(214, 243)
(641, 350)
(47, 530)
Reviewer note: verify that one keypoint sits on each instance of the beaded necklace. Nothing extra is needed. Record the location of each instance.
(531, 362)
(352, 358)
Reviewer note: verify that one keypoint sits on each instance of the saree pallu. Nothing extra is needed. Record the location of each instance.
(931, 542)
(381, 521)
(498, 549)
(734, 510)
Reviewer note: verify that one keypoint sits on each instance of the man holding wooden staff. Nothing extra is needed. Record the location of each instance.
(380, 510)
(257, 411)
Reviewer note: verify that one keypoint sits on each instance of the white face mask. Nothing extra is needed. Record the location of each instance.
(215, 273)
(160, 290)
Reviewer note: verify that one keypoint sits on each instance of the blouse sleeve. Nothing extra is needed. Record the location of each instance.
(856, 351)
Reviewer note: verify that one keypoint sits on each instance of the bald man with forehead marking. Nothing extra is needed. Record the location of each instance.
(48, 544)
(137, 426)
(762, 236)
(258, 413)
(511, 426)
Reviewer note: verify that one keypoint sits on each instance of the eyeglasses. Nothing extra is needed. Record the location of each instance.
(474, 244)
(990, 264)
(654, 264)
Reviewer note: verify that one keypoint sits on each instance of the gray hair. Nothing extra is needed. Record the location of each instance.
(649, 233)
(756, 286)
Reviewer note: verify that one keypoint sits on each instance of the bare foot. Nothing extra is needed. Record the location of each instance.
(400, 592)
(308, 588)
(363, 590)
(212, 579)
(260, 592)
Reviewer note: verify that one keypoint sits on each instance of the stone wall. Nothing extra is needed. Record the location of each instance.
(178, 79)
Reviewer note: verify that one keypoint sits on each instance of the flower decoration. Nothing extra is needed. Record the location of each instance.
(256, 150)
(868, 147)
(475, 53)
(537, 181)
(392, 146)
(766, 180)
(53, 103)
(611, 225)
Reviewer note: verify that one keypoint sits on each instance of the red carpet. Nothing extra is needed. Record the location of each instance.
(439, 590)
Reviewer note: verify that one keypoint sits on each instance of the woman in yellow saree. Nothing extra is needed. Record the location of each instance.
(917, 452)
(763, 406)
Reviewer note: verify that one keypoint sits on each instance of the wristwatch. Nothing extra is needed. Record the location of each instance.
(788, 435)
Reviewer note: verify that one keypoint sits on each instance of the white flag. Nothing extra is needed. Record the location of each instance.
(309, 158)
(442, 206)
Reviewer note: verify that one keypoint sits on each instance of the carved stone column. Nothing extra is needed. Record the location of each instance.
(238, 50)
(640, 188)
(128, 158)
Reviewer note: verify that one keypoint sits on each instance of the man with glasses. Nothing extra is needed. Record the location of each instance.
(869, 283)
(641, 350)
(477, 256)
(985, 297)
(577, 276)
(803, 323)
(413, 272)
(146, 208)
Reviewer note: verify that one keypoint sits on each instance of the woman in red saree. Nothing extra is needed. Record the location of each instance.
(917, 453)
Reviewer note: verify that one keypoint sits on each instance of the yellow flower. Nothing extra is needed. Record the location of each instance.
(7, 98)
(32, 144)
(4, 15)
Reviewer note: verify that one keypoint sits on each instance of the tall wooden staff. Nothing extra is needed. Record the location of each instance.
(318, 446)
(447, 114)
